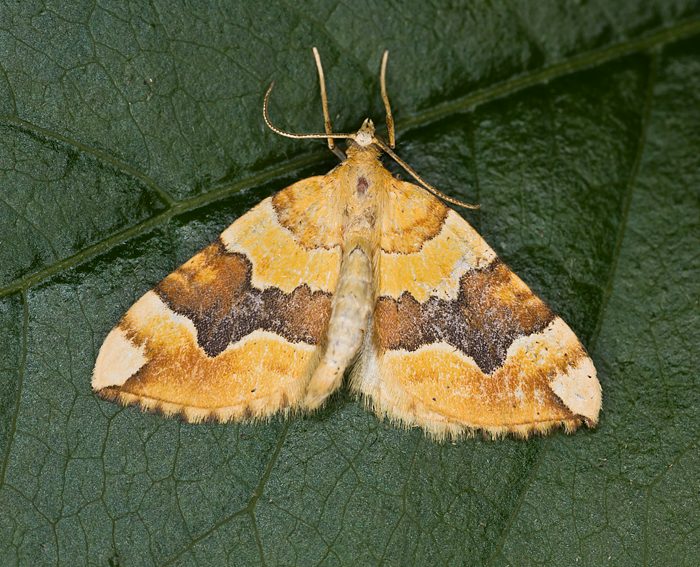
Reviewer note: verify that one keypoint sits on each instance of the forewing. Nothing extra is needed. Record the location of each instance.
(235, 332)
(460, 342)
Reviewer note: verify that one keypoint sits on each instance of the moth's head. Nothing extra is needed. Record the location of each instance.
(365, 135)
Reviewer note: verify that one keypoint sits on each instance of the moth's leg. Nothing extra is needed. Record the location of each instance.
(340, 154)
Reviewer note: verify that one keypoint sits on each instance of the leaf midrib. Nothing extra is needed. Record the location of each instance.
(420, 119)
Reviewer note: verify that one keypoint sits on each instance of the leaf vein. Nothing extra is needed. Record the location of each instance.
(627, 200)
(20, 379)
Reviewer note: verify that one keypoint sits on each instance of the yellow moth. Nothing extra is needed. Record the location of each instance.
(353, 270)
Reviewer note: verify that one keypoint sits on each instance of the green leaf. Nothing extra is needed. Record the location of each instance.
(130, 135)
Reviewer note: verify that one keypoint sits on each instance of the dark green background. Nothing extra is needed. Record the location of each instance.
(131, 136)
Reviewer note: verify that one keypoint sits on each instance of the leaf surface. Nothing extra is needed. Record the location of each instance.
(131, 135)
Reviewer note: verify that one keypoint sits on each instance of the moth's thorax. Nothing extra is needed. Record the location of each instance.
(362, 174)
(363, 181)
(358, 153)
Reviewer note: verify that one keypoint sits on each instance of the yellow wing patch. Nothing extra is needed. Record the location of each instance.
(279, 258)
(249, 377)
(436, 268)
(440, 388)
(411, 218)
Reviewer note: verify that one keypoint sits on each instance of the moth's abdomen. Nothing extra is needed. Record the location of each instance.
(352, 305)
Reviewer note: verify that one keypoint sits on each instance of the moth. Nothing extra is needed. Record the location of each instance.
(353, 270)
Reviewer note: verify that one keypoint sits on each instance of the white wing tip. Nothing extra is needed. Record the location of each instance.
(580, 390)
(118, 360)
